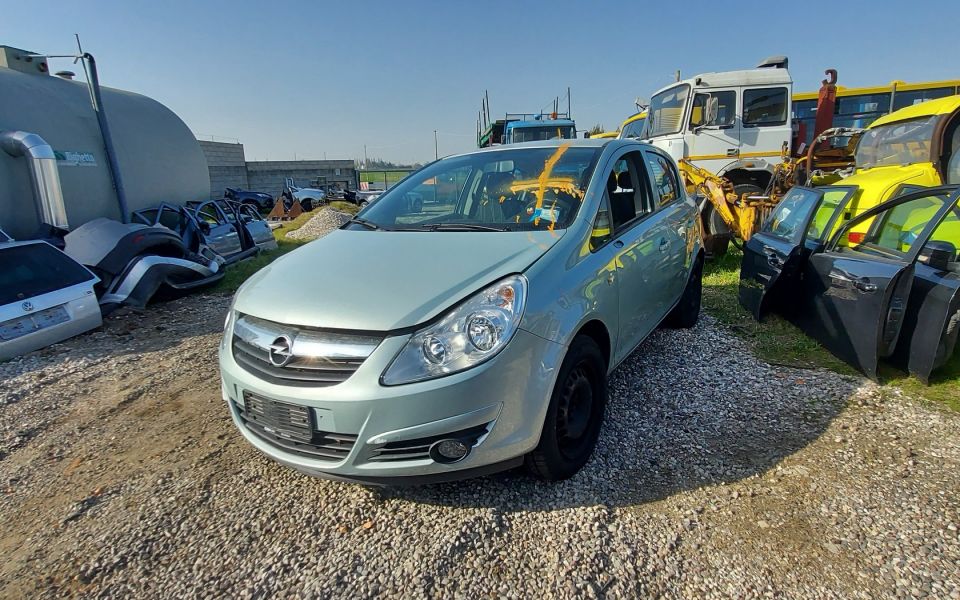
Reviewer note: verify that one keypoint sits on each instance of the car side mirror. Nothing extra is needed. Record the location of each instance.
(205, 228)
(938, 254)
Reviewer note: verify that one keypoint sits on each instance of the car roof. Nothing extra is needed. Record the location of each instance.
(575, 143)
(940, 106)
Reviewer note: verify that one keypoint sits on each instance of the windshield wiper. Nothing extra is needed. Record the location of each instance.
(368, 224)
(460, 227)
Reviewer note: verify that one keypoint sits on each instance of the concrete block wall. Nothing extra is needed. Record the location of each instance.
(268, 176)
(227, 165)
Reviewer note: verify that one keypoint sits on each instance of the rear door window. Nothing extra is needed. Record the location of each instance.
(666, 182)
(35, 269)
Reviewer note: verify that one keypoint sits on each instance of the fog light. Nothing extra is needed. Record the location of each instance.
(448, 451)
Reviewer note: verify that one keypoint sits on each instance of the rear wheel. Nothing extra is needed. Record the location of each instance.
(687, 311)
(575, 415)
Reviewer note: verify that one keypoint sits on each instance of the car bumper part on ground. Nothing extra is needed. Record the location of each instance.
(381, 434)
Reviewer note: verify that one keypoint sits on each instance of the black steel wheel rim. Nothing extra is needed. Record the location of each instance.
(575, 413)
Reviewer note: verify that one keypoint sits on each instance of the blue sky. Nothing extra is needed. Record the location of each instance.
(309, 79)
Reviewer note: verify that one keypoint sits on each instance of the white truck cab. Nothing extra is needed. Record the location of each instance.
(732, 123)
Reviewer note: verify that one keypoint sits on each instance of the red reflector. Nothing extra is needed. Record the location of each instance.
(137, 239)
(855, 237)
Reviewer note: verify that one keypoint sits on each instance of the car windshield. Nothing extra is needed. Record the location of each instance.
(520, 189)
(900, 143)
(665, 114)
(541, 133)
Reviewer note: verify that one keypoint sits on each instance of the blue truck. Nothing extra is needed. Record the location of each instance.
(516, 128)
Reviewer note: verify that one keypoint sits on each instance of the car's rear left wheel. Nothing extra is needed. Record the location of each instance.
(687, 311)
(575, 414)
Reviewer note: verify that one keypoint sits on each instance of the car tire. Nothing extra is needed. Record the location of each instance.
(687, 311)
(575, 414)
(363, 204)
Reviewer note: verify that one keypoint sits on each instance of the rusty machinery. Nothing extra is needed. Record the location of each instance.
(825, 160)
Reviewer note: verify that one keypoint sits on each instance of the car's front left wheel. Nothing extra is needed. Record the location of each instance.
(575, 415)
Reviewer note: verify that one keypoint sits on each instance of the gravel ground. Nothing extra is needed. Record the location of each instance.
(716, 476)
(325, 221)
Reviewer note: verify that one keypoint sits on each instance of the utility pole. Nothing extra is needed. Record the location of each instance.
(364, 156)
(436, 146)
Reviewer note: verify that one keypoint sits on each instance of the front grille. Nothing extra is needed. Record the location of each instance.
(419, 448)
(289, 427)
(317, 358)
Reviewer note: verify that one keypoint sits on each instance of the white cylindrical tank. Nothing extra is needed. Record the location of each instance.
(159, 158)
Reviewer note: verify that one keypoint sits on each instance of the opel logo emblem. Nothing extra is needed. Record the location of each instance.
(27, 306)
(281, 351)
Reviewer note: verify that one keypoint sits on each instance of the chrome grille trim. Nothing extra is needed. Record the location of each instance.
(319, 358)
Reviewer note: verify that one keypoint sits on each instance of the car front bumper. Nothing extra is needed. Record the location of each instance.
(505, 399)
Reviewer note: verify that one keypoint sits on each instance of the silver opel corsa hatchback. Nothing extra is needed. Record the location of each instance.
(470, 332)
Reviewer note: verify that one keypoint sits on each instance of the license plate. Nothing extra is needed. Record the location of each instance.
(21, 326)
(288, 421)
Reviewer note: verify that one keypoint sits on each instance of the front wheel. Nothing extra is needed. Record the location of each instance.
(575, 415)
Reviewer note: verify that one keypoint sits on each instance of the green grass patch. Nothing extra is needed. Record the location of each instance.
(240, 272)
(778, 341)
(345, 207)
(775, 340)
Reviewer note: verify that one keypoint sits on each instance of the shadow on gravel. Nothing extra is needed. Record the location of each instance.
(688, 409)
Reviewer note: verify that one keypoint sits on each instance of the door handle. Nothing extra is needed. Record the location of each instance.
(861, 284)
(664, 244)
(618, 244)
(733, 151)
(611, 278)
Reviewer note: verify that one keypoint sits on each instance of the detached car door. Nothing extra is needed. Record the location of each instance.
(222, 237)
(857, 292)
(773, 257)
(932, 322)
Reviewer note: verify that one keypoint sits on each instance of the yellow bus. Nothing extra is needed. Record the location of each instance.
(859, 107)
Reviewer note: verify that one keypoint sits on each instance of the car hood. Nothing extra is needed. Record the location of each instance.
(876, 184)
(385, 280)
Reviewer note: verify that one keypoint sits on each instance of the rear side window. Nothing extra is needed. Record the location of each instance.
(765, 107)
(34, 269)
(665, 180)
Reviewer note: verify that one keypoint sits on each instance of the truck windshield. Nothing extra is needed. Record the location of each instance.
(665, 114)
(514, 189)
(900, 143)
(634, 129)
(541, 133)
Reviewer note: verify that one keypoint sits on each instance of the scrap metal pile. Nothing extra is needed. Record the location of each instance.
(60, 286)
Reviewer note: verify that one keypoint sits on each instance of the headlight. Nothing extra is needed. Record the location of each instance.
(470, 334)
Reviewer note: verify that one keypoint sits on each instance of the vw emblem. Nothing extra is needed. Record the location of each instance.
(27, 306)
(281, 351)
